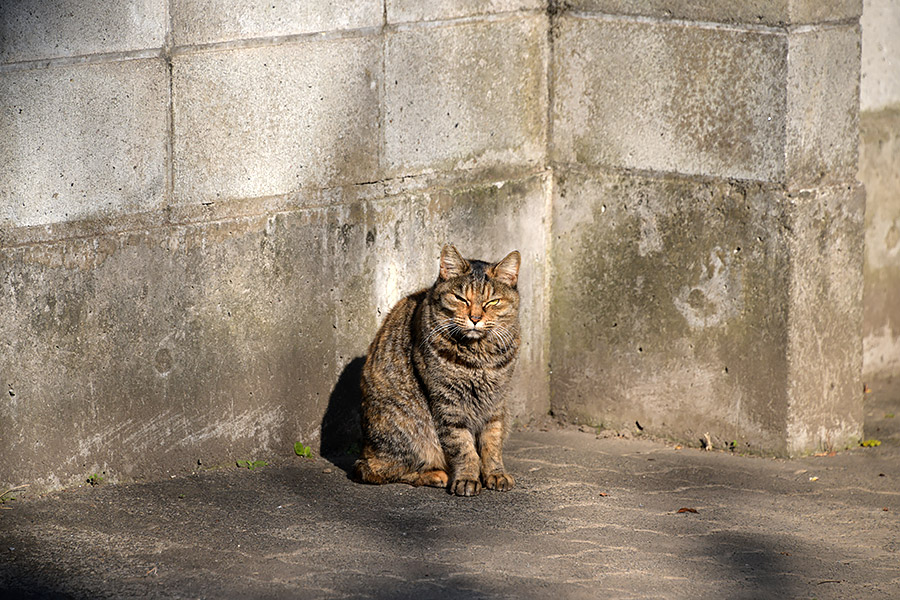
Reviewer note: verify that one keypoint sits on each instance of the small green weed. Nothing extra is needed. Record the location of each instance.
(301, 450)
(6, 497)
(251, 464)
(889, 416)
(94, 479)
(870, 443)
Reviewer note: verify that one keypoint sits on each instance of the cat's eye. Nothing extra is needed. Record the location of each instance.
(461, 299)
(493, 302)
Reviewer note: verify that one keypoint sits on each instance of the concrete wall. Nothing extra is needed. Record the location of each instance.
(206, 208)
(879, 170)
(707, 221)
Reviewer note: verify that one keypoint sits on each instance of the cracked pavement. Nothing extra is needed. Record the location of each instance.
(589, 518)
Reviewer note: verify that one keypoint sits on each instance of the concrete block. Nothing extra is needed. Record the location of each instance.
(208, 21)
(669, 309)
(879, 171)
(822, 106)
(466, 95)
(755, 105)
(755, 12)
(265, 121)
(880, 81)
(824, 351)
(82, 141)
(814, 11)
(687, 307)
(401, 11)
(38, 29)
(669, 97)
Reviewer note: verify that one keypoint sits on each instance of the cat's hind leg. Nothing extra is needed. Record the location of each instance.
(371, 468)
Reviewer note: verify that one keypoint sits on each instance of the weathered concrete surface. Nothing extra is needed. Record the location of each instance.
(402, 11)
(41, 29)
(764, 105)
(211, 21)
(147, 351)
(111, 116)
(880, 81)
(822, 117)
(883, 409)
(879, 170)
(465, 95)
(693, 100)
(722, 309)
(824, 352)
(253, 122)
(589, 518)
(753, 12)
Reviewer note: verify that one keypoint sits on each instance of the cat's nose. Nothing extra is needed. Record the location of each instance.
(474, 318)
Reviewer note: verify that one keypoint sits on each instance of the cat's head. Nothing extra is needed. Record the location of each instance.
(478, 298)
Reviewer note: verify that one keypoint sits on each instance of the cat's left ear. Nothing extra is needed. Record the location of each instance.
(507, 270)
(452, 263)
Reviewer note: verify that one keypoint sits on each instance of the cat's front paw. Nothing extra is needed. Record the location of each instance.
(466, 487)
(499, 481)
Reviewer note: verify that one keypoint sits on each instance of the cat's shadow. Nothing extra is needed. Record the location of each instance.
(341, 433)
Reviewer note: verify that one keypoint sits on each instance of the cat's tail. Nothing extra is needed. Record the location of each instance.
(364, 473)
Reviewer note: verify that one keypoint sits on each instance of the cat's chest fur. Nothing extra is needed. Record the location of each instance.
(453, 384)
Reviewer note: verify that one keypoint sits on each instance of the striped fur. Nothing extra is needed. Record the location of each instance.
(435, 380)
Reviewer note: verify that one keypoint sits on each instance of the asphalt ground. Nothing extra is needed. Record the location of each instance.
(590, 517)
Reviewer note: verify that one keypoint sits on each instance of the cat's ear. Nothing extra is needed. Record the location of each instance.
(452, 263)
(507, 270)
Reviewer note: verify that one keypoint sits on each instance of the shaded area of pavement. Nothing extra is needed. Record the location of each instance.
(589, 518)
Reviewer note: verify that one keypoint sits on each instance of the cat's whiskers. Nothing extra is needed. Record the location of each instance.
(507, 341)
(495, 333)
(446, 325)
(504, 336)
(434, 332)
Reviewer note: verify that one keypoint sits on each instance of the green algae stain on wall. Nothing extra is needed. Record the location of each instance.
(655, 297)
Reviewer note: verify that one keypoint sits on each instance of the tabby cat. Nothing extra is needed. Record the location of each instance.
(435, 380)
